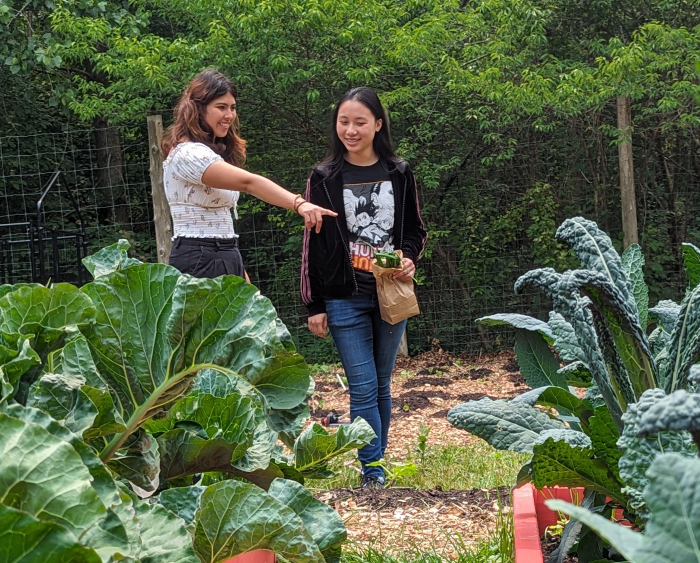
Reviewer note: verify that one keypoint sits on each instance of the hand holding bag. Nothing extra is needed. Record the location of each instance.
(397, 298)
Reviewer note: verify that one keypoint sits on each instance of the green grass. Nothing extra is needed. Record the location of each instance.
(475, 466)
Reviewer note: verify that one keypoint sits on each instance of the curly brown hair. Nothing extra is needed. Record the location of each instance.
(189, 124)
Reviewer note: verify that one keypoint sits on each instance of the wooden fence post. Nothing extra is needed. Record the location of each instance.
(161, 209)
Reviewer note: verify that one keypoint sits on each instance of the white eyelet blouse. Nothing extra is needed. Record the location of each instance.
(198, 211)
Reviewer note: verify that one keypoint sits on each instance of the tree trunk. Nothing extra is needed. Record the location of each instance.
(628, 197)
(161, 209)
(108, 144)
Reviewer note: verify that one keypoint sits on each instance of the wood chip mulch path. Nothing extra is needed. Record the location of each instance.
(400, 520)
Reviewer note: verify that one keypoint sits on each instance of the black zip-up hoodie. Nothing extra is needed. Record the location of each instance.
(326, 267)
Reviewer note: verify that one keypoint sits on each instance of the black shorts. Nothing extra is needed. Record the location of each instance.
(207, 257)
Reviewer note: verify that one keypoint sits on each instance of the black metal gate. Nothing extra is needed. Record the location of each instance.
(32, 251)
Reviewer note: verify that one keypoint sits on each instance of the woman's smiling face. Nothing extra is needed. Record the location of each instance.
(356, 126)
(220, 114)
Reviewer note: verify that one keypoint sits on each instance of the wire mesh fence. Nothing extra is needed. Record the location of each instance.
(489, 222)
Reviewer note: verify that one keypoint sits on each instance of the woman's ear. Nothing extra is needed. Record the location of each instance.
(378, 125)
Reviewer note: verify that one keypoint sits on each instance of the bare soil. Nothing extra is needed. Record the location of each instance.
(550, 544)
(424, 388)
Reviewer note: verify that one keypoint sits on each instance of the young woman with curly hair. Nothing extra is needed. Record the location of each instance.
(203, 179)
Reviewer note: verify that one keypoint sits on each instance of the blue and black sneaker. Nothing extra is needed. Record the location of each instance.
(375, 482)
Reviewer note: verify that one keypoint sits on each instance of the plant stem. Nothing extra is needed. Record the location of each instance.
(139, 414)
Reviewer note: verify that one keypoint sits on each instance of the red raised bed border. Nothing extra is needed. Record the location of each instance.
(257, 556)
(531, 518)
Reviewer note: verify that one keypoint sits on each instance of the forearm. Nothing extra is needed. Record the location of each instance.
(269, 192)
(222, 175)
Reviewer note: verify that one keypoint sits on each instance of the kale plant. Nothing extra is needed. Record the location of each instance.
(135, 386)
(598, 329)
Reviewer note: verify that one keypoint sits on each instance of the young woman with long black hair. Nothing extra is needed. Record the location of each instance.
(202, 176)
(374, 194)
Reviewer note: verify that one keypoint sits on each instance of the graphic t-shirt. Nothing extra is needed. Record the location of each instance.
(369, 210)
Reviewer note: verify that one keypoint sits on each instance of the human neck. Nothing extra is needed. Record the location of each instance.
(365, 158)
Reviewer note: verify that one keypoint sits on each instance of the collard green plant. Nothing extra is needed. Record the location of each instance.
(608, 440)
(126, 388)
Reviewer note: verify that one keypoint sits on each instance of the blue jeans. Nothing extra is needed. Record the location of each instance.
(367, 347)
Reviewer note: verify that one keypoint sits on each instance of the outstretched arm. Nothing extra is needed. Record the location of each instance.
(224, 176)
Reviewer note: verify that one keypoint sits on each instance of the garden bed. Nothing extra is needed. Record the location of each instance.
(532, 518)
(424, 388)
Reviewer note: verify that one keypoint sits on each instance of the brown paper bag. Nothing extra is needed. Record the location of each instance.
(397, 300)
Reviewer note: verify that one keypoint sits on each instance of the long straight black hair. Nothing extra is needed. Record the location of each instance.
(382, 143)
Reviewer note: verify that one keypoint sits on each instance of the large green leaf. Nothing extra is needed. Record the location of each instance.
(679, 411)
(684, 345)
(316, 446)
(321, 521)
(43, 316)
(221, 431)
(506, 425)
(138, 461)
(182, 501)
(604, 436)
(16, 362)
(576, 310)
(6, 288)
(171, 326)
(537, 363)
(633, 264)
(85, 410)
(691, 257)
(102, 480)
(110, 259)
(519, 321)
(233, 418)
(565, 341)
(186, 452)
(638, 453)
(44, 313)
(618, 312)
(672, 533)
(665, 313)
(658, 343)
(259, 454)
(560, 399)
(545, 280)
(164, 538)
(235, 517)
(26, 539)
(558, 462)
(596, 252)
(109, 537)
(573, 438)
(62, 397)
(576, 374)
(290, 422)
(44, 476)
(609, 287)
